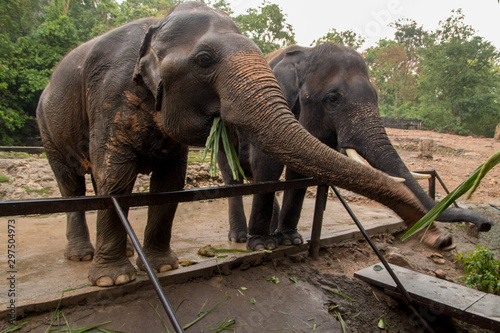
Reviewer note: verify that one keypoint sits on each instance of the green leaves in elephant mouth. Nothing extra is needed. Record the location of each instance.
(217, 132)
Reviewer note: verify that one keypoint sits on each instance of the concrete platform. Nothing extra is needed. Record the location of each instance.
(42, 273)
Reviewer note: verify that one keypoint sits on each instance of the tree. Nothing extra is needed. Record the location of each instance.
(27, 59)
(460, 83)
(348, 38)
(267, 27)
(394, 66)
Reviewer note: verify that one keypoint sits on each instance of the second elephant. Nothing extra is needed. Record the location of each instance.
(329, 91)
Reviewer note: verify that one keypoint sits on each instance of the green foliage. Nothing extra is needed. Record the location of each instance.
(482, 270)
(459, 86)
(450, 79)
(267, 27)
(393, 74)
(394, 68)
(4, 179)
(470, 183)
(348, 38)
(219, 134)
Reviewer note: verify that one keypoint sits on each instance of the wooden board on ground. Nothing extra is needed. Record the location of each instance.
(438, 295)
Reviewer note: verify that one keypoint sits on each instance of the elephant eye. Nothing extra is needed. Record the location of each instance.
(204, 60)
(333, 99)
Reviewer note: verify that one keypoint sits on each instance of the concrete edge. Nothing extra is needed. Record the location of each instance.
(205, 269)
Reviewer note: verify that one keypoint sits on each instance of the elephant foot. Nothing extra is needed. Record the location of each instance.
(237, 236)
(435, 238)
(289, 237)
(79, 251)
(257, 243)
(108, 274)
(130, 248)
(160, 261)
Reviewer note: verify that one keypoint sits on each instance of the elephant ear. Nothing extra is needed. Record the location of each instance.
(147, 67)
(287, 75)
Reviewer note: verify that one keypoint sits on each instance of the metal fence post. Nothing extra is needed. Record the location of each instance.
(319, 209)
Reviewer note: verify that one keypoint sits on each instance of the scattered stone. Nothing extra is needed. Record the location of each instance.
(382, 247)
(440, 274)
(397, 259)
(33, 186)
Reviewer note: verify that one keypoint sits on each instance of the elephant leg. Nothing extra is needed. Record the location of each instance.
(237, 218)
(293, 200)
(169, 175)
(130, 246)
(79, 247)
(264, 169)
(111, 265)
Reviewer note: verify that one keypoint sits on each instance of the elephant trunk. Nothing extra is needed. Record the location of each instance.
(261, 114)
(374, 145)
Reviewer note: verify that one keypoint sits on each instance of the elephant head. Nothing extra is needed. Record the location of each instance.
(328, 88)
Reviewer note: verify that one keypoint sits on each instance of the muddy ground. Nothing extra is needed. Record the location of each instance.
(287, 306)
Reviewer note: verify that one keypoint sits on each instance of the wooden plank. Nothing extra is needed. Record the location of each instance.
(487, 307)
(438, 295)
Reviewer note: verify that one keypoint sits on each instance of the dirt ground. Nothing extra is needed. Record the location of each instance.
(308, 305)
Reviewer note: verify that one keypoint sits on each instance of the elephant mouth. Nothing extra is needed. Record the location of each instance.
(354, 155)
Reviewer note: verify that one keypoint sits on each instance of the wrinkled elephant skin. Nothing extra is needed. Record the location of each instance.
(132, 100)
(328, 89)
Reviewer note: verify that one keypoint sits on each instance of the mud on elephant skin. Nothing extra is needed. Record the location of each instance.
(328, 89)
(133, 99)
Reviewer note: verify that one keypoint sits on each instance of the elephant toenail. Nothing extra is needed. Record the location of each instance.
(104, 281)
(88, 257)
(165, 268)
(122, 279)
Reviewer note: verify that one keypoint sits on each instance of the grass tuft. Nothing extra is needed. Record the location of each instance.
(219, 132)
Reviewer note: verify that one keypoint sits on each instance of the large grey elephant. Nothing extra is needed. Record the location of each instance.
(328, 89)
(133, 99)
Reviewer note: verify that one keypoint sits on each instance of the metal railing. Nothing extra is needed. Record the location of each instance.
(118, 202)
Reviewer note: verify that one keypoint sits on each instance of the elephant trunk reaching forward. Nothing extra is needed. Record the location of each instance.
(329, 91)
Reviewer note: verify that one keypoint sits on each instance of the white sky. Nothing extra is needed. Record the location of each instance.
(312, 19)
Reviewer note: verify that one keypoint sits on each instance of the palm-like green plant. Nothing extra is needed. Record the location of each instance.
(219, 132)
(470, 184)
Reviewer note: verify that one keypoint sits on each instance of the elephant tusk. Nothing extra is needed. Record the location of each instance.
(417, 175)
(353, 154)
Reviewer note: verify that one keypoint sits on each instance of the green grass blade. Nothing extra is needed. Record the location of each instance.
(202, 315)
(219, 132)
(338, 293)
(471, 182)
(487, 166)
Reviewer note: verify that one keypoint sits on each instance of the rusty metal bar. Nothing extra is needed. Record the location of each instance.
(406, 296)
(152, 276)
(319, 209)
(432, 184)
(444, 187)
(58, 205)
